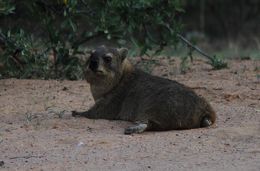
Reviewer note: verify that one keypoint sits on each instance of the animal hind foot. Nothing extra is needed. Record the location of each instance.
(78, 114)
(137, 128)
(206, 122)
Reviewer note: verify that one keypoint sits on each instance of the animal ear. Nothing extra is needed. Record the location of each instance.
(123, 53)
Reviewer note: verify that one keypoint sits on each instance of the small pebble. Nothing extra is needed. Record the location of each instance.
(2, 163)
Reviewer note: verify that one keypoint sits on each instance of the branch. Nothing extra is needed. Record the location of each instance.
(15, 56)
(194, 47)
(44, 52)
(85, 39)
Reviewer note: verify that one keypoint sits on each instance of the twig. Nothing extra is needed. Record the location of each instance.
(25, 157)
(194, 47)
(5, 39)
(198, 87)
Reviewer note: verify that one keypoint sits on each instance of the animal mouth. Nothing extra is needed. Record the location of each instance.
(96, 72)
(99, 72)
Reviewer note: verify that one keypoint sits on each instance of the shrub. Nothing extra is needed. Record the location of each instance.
(63, 26)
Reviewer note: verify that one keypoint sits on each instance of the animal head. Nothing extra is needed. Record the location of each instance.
(105, 64)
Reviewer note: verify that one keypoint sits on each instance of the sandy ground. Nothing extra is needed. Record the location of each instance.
(37, 131)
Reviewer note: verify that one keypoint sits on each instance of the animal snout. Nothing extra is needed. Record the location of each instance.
(93, 65)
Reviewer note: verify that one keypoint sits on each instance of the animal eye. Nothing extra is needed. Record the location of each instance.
(107, 59)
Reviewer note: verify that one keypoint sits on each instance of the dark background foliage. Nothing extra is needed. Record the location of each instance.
(45, 38)
(232, 20)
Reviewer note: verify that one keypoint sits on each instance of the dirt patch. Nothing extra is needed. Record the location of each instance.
(37, 131)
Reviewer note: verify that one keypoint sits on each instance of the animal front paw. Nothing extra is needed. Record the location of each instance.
(75, 113)
(129, 131)
(87, 114)
(137, 128)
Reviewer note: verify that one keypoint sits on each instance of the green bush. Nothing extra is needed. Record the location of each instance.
(62, 27)
(6, 7)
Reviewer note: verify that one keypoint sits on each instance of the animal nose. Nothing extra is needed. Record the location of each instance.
(93, 65)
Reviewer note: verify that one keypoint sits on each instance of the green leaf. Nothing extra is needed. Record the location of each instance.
(73, 25)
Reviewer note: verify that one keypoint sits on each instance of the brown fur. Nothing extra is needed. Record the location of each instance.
(122, 92)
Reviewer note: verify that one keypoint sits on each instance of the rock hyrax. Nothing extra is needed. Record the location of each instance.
(123, 92)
